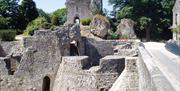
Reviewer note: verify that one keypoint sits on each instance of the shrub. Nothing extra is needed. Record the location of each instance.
(4, 22)
(46, 25)
(7, 35)
(36, 24)
(60, 15)
(177, 30)
(55, 20)
(86, 21)
(178, 38)
(114, 35)
(124, 37)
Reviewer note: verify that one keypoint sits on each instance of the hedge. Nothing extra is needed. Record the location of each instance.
(86, 21)
(7, 35)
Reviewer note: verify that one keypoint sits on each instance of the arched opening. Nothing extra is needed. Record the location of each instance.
(76, 20)
(103, 89)
(46, 84)
(176, 19)
(74, 48)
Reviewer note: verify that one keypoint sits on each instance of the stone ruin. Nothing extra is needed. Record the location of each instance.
(126, 28)
(63, 60)
(81, 9)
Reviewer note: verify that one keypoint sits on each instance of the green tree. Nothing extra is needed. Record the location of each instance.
(152, 16)
(4, 22)
(44, 14)
(36, 24)
(55, 20)
(10, 9)
(29, 10)
(61, 14)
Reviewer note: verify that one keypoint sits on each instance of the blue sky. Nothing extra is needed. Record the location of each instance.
(52, 5)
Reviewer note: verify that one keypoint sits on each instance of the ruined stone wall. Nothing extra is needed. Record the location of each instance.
(73, 74)
(78, 8)
(97, 50)
(129, 79)
(2, 52)
(41, 57)
(81, 9)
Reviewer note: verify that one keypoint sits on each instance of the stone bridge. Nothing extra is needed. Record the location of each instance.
(156, 69)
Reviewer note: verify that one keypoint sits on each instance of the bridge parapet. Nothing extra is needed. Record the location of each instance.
(150, 76)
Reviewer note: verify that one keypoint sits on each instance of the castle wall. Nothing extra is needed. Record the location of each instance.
(74, 76)
(41, 58)
(129, 79)
(81, 9)
(100, 48)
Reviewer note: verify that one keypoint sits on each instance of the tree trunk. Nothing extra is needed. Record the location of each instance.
(148, 34)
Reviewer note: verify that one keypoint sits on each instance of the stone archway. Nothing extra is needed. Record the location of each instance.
(46, 84)
(74, 48)
(76, 20)
(176, 19)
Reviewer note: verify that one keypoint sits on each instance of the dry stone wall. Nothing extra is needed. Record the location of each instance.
(74, 76)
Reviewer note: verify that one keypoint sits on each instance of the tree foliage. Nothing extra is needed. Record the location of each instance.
(10, 9)
(59, 16)
(29, 10)
(55, 20)
(36, 24)
(4, 22)
(152, 15)
(44, 14)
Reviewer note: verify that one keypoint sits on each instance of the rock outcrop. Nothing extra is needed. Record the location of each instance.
(100, 26)
(126, 28)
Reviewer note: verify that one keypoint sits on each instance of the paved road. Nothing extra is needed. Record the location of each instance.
(167, 62)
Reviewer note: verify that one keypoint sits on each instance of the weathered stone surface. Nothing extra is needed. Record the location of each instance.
(112, 64)
(97, 50)
(2, 53)
(126, 28)
(100, 26)
(151, 78)
(74, 32)
(126, 49)
(80, 9)
(72, 77)
(75, 62)
(7, 46)
(129, 79)
(41, 58)
(46, 55)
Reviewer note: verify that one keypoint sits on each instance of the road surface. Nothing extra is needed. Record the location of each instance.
(166, 61)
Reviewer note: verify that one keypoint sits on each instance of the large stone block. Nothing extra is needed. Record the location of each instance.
(112, 63)
(75, 62)
(97, 50)
(101, 26)
(126, 28)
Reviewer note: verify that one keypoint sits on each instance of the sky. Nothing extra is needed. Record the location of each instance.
(52, 5)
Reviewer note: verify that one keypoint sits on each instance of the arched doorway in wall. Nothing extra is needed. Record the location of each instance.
(74, 48)
(76, 20)
(176, 19)
(46, 84)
